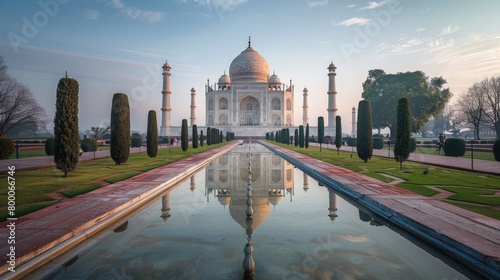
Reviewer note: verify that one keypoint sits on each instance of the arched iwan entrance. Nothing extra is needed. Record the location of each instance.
(249, 111)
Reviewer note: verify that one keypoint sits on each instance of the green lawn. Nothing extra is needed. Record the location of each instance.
(473, 191)
(41, 152)
(34, 186)
(432, 151)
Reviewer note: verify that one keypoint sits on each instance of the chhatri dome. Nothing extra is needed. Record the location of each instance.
(249, 66)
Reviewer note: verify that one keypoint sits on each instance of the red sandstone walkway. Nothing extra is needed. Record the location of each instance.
(463, 234)
(75, 220)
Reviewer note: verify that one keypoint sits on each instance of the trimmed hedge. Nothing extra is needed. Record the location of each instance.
(378, 143)
(496, 150)
(50, 146)
(351, 142)
(454, 147)
(7, 147)
(136, 142)
(413, 145)
(89, 144)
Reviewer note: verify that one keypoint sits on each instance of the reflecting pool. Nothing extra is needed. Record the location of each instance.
(298, 230)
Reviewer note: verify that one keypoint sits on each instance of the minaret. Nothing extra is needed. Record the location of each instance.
(165, 109)
(353, 122)
(305, 119)
(332, 97)
(193, 106)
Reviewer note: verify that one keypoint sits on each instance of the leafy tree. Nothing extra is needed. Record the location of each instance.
(152, 134)
(301, 136)
(7, 147)
(307, 136)
(18, 106)
(195, 136)
(338, 133)
(136, 142)
(403, 134)
(492, 103)
(120, 129)
(184, 135)
(496, 150)
(135, 134)
(427, 96)
(364, 140)
(66, 135)
(321, 131)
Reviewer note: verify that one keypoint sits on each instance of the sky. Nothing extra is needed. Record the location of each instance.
(114, 46)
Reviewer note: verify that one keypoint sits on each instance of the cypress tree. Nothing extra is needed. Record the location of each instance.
(152, 134)
(296, 137)
(195, 136)
(403, 134)
(321, 131)
(288, 136)
(209, 135)
(307, 136)
(201, 138)
(120, 128)
(271, 137)
(66, 136)
(184, 135)
(301, 136)
(338, 133)
(364, 142)
(221, 136)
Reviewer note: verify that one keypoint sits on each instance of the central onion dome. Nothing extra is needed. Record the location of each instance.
(249, 66)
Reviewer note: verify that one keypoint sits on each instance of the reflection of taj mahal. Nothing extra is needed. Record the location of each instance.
(249, 96)
(227, 178)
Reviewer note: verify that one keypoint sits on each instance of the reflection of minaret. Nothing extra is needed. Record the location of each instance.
(333, 205)
(165, 109)
(248, 262)
(306, 182)
(353, 122)
(305, 119)
(192, 184)
(332, 96)
(165, 207)
(193, 106)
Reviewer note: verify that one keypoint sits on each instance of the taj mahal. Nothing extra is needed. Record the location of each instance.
(250, 101)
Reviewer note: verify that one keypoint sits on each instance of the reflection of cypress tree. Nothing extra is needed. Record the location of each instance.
(195, 136)
(120, 129)
(66, 136)
(364, 217)
(364, 142)
(152, 134)
(184, 135)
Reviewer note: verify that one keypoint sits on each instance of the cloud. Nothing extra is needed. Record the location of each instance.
(316, 3)
(221, 5)
(449, 29)
(136, 13)
(91, 14)
(355, 21)
(420, 29)
(374, 5)
(351, 6)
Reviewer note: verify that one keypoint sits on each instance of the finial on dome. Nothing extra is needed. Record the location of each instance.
(249, 41)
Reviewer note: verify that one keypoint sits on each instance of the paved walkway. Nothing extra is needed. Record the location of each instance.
(470, 237)
(486, 166)
(46, 233)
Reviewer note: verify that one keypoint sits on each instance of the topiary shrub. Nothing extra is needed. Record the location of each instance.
(49, 146)
(351, 142)
(454, 147)
(120, 129)
(7, 147)
(89, 144)
(378, 143)
(496, 150)
(413, 145)
(136, 142)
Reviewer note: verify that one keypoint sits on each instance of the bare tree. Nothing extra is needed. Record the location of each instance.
(18, 106)
(470, 107)
(491, 91)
